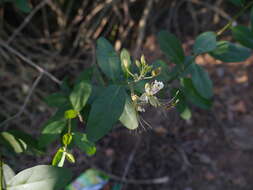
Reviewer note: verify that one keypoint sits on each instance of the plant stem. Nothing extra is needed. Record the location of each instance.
(69, 126)
(228, 25)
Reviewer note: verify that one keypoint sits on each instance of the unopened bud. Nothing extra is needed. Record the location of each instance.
(134, 97)
(137, 63)
(143, 60)
(156, 71)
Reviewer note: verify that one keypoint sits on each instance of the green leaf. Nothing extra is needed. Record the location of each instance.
(171, 46)
(84, 144)
(165, 74)
(108, 59)
(193, 96)
(201, 81)
(129, 117)
(31, 143)
(41, 177)
(56, 100)
(51, 131)
(70, 114)
(70, 157)
(229, 52)
(205, 43)
(67, 138)
(23, 5)
(105, 112)
(125, 61)
(59, 158)
(80, 95)
(8, 174)
(238, 3)
(243, 35)
(181, 106)
(14, 143)
(86, 75)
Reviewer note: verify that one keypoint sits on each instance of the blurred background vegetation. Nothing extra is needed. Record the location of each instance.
(59, 36)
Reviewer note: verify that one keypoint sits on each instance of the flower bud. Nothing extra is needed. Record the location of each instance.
(156, 71)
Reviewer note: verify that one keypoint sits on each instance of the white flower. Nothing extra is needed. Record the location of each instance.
(144, 98)
(140, 109)
(153, 88)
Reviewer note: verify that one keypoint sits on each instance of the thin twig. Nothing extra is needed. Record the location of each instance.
(142, 27)
(213, 8)
(229, 24)
(159, 180)
(28, 61)
(131, 158)
(28, 97)
(26, 21)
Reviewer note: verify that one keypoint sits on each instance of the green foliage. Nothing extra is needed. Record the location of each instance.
(40, 177)
(70, 114)
(239, 3)
(12, 142)
(99, 100)
(165, 75)
(57, 100)
(205, 42)
(80, 95)
(70, 157)
(230, 52)
(86, 75)
(59, 158)
(66, 139)
(8, 174)
(129, 117)
(84, 144)
(125, 62)
(201, 81)
(181, 106)
(51, 132)
(105, 112)
(193, 96)
(243, 35)
(171, 46)
(23, 5)
(108, 60)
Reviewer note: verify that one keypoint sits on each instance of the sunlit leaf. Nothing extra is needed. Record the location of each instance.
(125, 61)
(129, 117)
(16, 144)
(80, 95)
(8, 174)
(41, 177)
